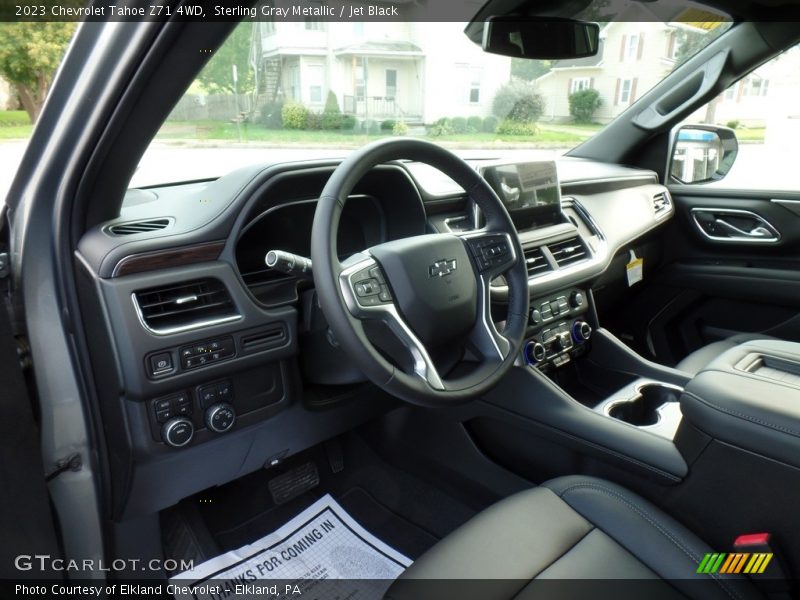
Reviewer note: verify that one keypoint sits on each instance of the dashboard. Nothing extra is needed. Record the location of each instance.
(213, 365)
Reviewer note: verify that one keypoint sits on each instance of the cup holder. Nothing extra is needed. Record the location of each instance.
(642, 409)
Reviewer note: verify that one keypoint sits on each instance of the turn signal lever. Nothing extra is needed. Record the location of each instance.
(291, 264)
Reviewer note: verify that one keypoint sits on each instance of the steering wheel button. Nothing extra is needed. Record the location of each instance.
(376, 274)
(372, 300)
(385, 296)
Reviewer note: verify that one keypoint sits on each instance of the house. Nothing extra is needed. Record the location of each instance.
(378, 70)
(632, 57)
(5, 95)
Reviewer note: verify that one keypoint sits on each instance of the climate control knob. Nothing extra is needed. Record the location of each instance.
(581, 331)
(177, 432)
(220, 417)
(535, 352)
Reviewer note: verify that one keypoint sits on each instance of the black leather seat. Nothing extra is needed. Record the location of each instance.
(701, 357)
(570, 528)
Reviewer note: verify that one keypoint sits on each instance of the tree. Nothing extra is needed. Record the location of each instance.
(527, 69)
(29, 56)
(583, 104)
(217, 75)
(518, 101)
(691, 41)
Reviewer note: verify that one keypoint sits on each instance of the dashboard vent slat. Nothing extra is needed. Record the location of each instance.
(536, 262)
(568, 252)
(189, 305)
(661, 202)
(139, 226)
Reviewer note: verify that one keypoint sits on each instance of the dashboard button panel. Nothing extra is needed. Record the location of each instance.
(204, 353)
(370, 287)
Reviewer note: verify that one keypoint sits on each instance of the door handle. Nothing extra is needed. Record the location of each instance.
(757, 232)
(734, 225)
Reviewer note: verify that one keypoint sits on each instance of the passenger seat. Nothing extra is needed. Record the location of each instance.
(701, 357)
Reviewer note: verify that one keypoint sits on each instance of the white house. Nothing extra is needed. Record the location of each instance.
(378, 70)
(632, 58)
(5, 94)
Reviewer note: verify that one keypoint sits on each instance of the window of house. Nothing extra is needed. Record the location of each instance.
(758, 86)
(475, 85)
(579, 84)
(360, 78)
(631, 47)
(391, 83)
(674, 45)
(625, 90)
(314, 25)
(294, 83)
(315, 84)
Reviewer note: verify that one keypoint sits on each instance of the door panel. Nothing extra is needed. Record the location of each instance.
(709, 289)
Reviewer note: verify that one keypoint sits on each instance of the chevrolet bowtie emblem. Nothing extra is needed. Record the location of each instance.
(442, 267)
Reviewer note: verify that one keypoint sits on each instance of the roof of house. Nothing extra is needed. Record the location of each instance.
(588, 61)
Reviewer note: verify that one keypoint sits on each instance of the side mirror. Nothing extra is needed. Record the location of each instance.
(703, 153)
(551, 39)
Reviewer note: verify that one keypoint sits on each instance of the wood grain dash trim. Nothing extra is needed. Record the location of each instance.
(163, 259)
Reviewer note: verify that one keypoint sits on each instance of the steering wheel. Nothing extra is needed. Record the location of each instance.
(429, 290)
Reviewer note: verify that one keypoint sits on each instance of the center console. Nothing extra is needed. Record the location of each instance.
(749, 397)
(558, 329)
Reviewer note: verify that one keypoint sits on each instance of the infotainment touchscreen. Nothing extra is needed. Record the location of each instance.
(529, 191)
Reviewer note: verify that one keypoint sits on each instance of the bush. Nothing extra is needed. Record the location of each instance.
(459, 125)
(518, 101)
(349, 122)
(271, 115)
(441, 127)
(583, 104)
(490, 124)
(314, 121)
(400, 128)
(371, 127)
(331, 116)
(294, 116)
(733, 124)
(511, 127)
(474, 124)
(388, 125)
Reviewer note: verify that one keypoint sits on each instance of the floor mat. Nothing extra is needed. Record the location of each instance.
(407, 513)
(322, 551)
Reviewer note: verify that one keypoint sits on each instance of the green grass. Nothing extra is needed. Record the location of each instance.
(210, 131)
(15, 132)
(14, 124)
(13, 118)
(755, 134)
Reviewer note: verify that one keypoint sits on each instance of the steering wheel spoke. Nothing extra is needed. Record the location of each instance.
(368, 296)
(492, 252)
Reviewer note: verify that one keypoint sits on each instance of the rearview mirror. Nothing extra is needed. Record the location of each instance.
(703, 153)
(524, 37)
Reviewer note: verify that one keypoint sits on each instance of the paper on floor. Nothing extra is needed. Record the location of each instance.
(322, 554)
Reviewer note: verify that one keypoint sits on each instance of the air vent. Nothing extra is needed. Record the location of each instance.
(568, 252)
(189, 305)
(139, 226)
(536, 262)
(661, 203)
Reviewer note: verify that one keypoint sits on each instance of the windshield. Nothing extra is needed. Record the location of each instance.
(289, 89)
(309, 89)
